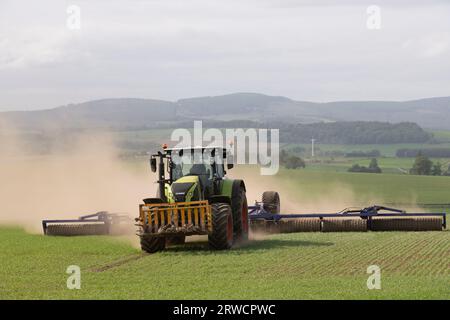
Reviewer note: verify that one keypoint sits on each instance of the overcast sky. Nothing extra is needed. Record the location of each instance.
(166, 49)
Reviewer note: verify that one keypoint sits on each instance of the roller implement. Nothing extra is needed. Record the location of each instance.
(194, 197)
(265, 217)
(100, 223)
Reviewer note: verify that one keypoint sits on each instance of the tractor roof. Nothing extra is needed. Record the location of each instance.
(170, 150)
(196, 148)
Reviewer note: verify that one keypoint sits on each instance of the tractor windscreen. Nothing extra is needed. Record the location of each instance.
(192, 164)
(183, 169)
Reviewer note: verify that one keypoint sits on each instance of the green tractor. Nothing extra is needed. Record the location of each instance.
(194, 197)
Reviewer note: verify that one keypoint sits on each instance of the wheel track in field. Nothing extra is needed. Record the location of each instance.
(423, 256)
(118, 263)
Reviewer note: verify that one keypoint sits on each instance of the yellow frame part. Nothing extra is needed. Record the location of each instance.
(176, 216)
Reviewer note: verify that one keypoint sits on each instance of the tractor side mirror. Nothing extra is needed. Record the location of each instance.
(153, 164)
(230, 161)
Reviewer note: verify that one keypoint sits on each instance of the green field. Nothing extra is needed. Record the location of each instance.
(388, 161)
(412, 189)
(333, 191)
(386, 150)
(441, 136)
(289, 266)
(387, 165)
(414, 265)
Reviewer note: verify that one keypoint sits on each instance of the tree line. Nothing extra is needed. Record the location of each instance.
(429, 152)
(372, 168)
(342, 132)
(424, 166)
(291, 161)
(357, 132)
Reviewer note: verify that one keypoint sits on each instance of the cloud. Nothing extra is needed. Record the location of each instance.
(433, 46)
(31, 49)
(308, 50)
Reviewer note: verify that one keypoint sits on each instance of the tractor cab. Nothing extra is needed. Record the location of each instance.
(194, 173)
(192, 168)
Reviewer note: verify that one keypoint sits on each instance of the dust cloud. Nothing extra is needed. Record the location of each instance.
(87, 177)
(318, 194)
(323, 197)
(298, 198)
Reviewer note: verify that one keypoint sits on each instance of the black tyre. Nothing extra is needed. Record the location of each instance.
(221, 237)
(176, 240)
(152, 244)
(271, 202)
(240, 215)
(82, 229)
(406, 224)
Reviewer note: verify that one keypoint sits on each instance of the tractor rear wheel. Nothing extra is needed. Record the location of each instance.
(221, 236)
(240, 214)
(152, 244)
(271, 202)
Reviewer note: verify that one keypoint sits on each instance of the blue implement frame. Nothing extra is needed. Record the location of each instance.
(258, 212)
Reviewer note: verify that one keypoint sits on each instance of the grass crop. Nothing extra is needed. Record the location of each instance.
(286, 266)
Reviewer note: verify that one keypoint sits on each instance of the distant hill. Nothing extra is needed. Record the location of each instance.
(250, 106)
(429, 113)
(112, 113)
(135, 113)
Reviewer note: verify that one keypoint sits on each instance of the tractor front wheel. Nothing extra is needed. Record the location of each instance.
(152, 244)
(221, 237)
